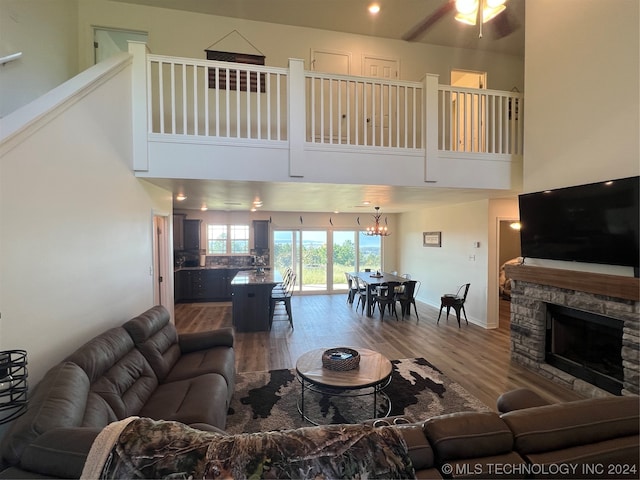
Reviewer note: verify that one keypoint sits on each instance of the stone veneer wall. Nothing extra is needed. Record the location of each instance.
(528, 330)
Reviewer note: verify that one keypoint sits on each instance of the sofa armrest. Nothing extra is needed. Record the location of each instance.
(192, 342)
(468, 435)
(61, 452)
(518, 399)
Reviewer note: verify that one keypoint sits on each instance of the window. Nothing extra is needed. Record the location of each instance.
(227, 239)
(239, 238)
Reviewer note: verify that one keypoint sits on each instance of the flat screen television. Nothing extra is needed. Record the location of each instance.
(594, 223)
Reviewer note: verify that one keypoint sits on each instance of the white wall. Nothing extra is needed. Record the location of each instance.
(179, 33)
(76, 227)
(582, 72)
(443, 269)
(47, 35)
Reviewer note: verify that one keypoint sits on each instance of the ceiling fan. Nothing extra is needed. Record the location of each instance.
(468, 12)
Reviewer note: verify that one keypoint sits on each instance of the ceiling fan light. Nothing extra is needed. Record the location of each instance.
(466, 6)
(494, 3)
(466, 18)
(491, 12)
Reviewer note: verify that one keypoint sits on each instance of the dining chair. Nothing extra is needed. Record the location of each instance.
(361, 293)
(385, 297)
(455, 301)
(408, 297)
(351, 290)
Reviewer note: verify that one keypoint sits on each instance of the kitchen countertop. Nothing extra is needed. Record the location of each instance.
(215, 267)
(252, 278)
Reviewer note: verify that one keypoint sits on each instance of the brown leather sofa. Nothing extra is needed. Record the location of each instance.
(142, 368)
(591, 438)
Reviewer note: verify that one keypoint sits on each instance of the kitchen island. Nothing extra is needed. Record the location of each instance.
(251, 294)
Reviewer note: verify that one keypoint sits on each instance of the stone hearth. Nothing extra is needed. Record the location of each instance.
(533, 288)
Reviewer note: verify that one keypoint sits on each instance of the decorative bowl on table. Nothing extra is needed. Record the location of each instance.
(340, 359)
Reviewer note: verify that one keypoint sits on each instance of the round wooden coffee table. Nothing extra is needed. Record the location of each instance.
(372, 375)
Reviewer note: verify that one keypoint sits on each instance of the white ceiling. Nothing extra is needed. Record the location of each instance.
(395, 19)
(314, 197)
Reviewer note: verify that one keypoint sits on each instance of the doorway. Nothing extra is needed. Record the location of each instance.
(108, 41)
(508, 253)
(468, 111)
(162, 284)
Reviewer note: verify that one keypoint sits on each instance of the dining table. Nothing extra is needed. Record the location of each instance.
(373, 280)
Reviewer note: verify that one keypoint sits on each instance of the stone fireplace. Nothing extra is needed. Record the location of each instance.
(578, 329)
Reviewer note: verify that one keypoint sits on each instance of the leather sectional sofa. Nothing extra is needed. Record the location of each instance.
(142, 368)
(145, 369)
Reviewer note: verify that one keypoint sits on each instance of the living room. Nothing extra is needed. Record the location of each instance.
(82, 280)
(76, 236)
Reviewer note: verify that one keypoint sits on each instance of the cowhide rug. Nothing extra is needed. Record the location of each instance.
(418, 390)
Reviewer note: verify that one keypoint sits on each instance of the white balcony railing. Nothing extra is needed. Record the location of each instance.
(216, 99)
(223, 102)
(363, 111)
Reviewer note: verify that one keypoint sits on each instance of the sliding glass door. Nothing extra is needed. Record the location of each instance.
(344, 257)
(320, 258)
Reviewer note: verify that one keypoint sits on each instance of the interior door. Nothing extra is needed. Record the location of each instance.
(469, 111)
(382, 99)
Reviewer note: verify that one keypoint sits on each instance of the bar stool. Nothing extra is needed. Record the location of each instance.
(282, 296)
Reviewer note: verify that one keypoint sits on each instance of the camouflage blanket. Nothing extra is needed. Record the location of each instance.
(144, 448)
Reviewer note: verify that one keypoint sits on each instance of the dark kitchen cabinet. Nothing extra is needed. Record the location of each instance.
(178, 231)
(203, 285)
(191, 234)
(261, 234)
(251, 307)
(194, 285)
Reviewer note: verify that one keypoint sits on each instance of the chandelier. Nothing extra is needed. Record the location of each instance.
(377, 229)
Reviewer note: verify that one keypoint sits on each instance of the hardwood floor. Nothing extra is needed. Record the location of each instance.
(476, 358)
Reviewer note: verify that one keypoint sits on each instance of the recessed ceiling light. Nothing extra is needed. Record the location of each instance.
(204, 208)
(181, 197)
(374, 8)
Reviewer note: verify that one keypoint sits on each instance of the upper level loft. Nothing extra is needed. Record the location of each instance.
(204, 119)
(200, 119)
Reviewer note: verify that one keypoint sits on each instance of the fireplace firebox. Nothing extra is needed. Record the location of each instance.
(585, 345)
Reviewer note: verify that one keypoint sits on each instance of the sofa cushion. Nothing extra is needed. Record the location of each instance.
(565, 425)
(618, 452)
(191, 401)
(220, 360)
(419, 449)
(57, 401)
(100, 353)
(119, 374)
(506, 465)
(156, 338)
(127, 385)
(61, 452)
(468, 435)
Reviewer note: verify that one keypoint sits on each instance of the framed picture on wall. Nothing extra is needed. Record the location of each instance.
(431, 239)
